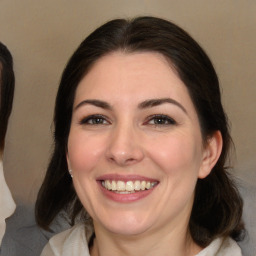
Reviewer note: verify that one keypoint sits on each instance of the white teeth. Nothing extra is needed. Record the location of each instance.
(143, 185)
(108, 184)
(113, 185)
(127, 187)
(120, 186)
(137, 185)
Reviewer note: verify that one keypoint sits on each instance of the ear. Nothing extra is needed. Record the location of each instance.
(211, 154)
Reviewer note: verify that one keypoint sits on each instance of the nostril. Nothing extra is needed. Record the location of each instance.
(122, 159)
(130, 160)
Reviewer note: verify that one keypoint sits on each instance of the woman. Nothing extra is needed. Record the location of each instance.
(140, 126)
(7, 81)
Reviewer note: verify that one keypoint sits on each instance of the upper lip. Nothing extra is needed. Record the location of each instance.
(125, 178)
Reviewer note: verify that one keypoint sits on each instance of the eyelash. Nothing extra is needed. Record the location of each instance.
(159, 120)
(94, 120)
(164, 120)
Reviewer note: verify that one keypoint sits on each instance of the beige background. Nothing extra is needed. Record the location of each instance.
(43, 34)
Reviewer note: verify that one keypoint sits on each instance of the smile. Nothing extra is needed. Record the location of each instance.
(128, 187)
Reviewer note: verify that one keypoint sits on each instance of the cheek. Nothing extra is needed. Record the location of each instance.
(84, 152)
(177, 155)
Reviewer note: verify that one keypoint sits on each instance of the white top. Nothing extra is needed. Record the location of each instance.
(72, 242)
(7, 205)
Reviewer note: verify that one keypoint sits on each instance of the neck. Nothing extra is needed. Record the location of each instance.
(175, 242)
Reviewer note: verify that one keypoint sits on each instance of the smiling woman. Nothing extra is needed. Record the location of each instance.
(140, 126)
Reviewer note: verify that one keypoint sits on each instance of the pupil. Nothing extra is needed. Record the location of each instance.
(97, 120)
(159, 121)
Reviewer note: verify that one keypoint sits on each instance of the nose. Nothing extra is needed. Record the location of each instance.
(125, 147)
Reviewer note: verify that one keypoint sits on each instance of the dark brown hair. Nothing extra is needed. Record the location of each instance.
(217, 207)
(7, 82)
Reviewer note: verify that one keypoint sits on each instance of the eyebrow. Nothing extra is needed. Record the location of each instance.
(145, 104)
(97, 103)
(156, 102)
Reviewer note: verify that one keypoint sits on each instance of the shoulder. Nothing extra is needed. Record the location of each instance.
(221, 247)
(71, 242)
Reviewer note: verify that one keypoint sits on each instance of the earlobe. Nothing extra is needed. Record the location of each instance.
(211, 155)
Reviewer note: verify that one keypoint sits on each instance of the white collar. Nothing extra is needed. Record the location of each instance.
(7, 205)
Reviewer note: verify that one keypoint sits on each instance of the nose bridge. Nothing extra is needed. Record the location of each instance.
(124, 145)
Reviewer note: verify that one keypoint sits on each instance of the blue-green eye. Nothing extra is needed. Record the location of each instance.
(94, 120)
(161, 120)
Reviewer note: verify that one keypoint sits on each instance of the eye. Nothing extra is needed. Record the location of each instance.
(94, 120)
(161, 120)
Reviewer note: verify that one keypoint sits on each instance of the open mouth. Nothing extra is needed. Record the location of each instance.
(128, 187)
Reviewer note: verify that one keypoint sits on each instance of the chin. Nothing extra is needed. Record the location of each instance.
(128, 230)
(127, 225)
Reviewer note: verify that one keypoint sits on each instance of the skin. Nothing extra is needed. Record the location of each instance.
(130, 140)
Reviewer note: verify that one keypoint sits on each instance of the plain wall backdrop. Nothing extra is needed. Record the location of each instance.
(42, 35)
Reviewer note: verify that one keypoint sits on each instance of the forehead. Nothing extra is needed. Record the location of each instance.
(141, 73)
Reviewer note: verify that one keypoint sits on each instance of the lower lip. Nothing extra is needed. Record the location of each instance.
(126, 198)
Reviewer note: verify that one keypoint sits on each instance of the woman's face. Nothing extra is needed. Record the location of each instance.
(135, 146)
